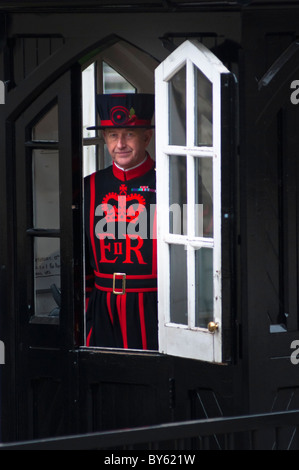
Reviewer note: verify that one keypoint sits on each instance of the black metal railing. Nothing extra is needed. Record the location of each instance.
(271, 431)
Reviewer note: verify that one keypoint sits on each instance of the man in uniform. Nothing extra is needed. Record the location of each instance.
(120, 225)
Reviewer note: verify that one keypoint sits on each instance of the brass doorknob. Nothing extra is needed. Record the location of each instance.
(212, 326)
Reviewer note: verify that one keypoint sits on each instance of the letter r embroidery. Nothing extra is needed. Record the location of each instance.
(136, 249)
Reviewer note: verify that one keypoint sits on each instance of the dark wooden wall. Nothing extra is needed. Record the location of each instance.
(269, 207)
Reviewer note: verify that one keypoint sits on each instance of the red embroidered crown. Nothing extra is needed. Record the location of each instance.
(115, 207)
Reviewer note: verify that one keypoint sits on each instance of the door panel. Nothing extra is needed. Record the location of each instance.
(193, 112)
(49, 255)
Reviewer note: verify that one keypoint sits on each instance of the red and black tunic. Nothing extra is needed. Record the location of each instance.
(120, 224)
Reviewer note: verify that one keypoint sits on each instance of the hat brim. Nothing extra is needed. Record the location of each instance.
(119, 127)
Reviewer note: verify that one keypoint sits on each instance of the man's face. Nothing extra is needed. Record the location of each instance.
(127, 147)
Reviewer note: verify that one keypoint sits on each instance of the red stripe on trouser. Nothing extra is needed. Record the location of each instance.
(142, 322)
(88, 338)
(122, 315)
(91, 217)
(109, 306)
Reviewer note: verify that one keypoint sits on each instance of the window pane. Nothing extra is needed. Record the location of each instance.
(46, 276)
(88, 100)
(47, 127)
(204, 287)
(177, 108)
(89, 159)
(177, 195)
(113, 82)
(204, 110)
(45, 187)
(204, 195)
(178, 284)
(107, 157)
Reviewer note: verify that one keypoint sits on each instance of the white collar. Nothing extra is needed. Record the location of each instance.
(131, 168)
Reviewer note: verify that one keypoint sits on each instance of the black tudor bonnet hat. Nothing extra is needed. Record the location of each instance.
(123, 110)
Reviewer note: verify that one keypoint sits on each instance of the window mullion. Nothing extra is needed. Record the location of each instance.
(217, 274)
(190, 104)
(190, 197)
(191, 285)
(163, 231)
(162, 178)
(190, 128)
(191, 235)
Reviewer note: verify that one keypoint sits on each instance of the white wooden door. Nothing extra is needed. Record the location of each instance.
(188, 87)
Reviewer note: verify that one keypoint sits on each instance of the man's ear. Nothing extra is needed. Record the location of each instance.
(148, 133)
(104, 134)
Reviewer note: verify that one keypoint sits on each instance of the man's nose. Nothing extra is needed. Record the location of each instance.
(121, 141)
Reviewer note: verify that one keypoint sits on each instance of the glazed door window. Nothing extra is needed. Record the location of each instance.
(95, 155)
(48, 194)
(45, 231)
(121, 68)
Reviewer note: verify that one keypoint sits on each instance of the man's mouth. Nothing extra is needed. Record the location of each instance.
(123, 154)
